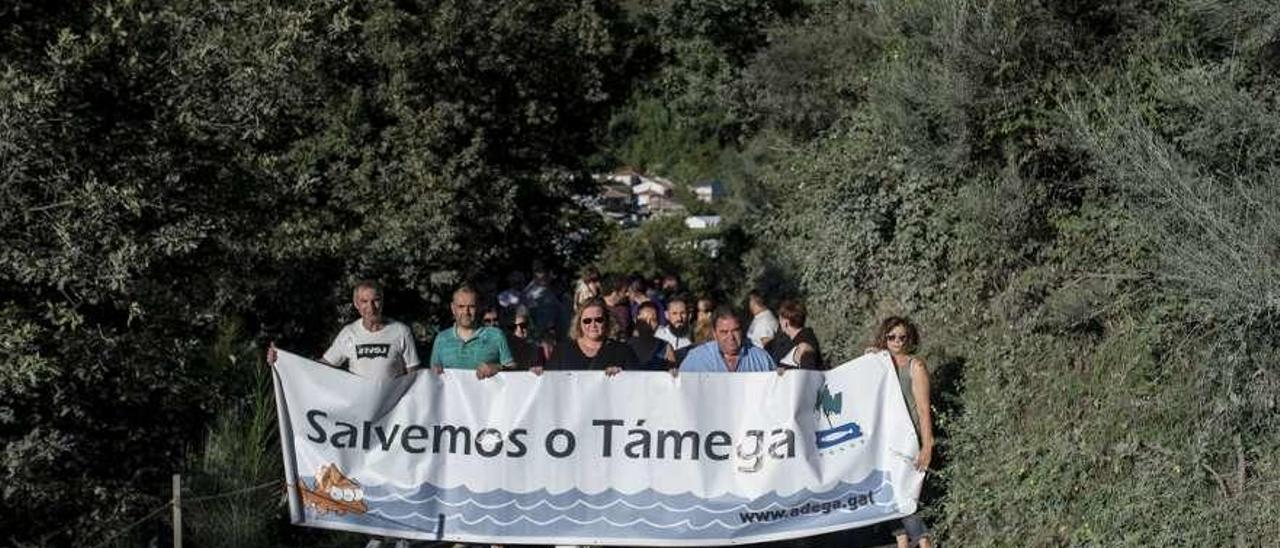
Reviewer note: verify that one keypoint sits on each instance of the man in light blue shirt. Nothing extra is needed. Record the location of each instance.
(727, 353)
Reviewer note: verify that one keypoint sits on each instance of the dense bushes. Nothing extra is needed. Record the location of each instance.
(1073, 199)
(171, 166)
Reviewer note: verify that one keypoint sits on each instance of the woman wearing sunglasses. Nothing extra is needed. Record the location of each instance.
(524, 347)
(900, 338)
(589, 346)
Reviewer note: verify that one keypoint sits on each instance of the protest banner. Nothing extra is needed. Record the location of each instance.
(640, 458)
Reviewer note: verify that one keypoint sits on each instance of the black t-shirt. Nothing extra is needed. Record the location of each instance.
(651, 352)
(525, 352)
(781, 345)
(568, 356)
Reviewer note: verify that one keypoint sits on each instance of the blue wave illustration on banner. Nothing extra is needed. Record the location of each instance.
(614, 514)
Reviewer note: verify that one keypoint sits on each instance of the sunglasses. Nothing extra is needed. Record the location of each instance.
(589, 321)
(520, 325)
(902, 338)
(491, 321)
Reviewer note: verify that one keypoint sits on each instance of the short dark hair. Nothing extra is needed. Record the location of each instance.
(793, 311)
(724, 311)
(638, 283)
(678, 298)
(891, 323)
(756, 296)
(615, 283)
(647, 304)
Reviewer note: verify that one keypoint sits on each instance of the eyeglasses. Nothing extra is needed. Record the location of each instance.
(589, 321)
(892, 337)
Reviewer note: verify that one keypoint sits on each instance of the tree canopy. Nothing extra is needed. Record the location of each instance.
(169, 167)
(1074, 200)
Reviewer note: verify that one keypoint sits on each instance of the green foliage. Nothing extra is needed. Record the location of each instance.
(666, 246)
(685, 120)
(653, 140)
(234, 487)
(1072, 200)
(705, 45)
(166, 165)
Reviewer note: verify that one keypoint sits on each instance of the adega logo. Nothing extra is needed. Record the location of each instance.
(828, 405)
(372, 350)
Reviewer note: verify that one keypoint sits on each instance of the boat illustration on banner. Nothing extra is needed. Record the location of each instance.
(333, 492)
(828, 405)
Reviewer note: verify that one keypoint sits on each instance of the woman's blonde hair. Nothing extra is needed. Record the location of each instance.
(702, 329)
(575, 330)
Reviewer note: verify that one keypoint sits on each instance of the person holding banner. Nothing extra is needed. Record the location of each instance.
(373, 346)
(899, 336)
(524, 347)
(589, 346)
(728, 353)
(796, 346)
(469, 346)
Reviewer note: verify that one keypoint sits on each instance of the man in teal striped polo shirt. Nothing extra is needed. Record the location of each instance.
(467, 345)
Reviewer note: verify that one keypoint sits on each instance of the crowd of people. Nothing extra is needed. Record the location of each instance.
(614, 324)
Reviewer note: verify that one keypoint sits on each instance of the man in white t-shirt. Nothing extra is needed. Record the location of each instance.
(373, 346)
(764, 325)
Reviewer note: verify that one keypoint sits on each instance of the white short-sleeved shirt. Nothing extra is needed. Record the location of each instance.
(763, 326)
(383, 354)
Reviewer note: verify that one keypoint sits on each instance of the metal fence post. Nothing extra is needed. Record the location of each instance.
(177, 511)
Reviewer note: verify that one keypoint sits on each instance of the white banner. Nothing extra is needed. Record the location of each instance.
(641, 458)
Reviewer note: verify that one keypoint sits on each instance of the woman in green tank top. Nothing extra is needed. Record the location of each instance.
(900, 338)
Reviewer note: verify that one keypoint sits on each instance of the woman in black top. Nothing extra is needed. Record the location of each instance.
(524, 348)
(589, 347)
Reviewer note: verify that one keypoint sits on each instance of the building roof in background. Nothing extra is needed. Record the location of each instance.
(701, 221)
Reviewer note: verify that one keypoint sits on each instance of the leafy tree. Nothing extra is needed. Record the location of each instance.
(1069, 198)
(168, 166)
(704, 259)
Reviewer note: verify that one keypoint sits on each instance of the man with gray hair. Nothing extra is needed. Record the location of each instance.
(372, 346)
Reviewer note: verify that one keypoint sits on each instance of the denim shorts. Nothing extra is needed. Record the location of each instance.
(914, 528)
